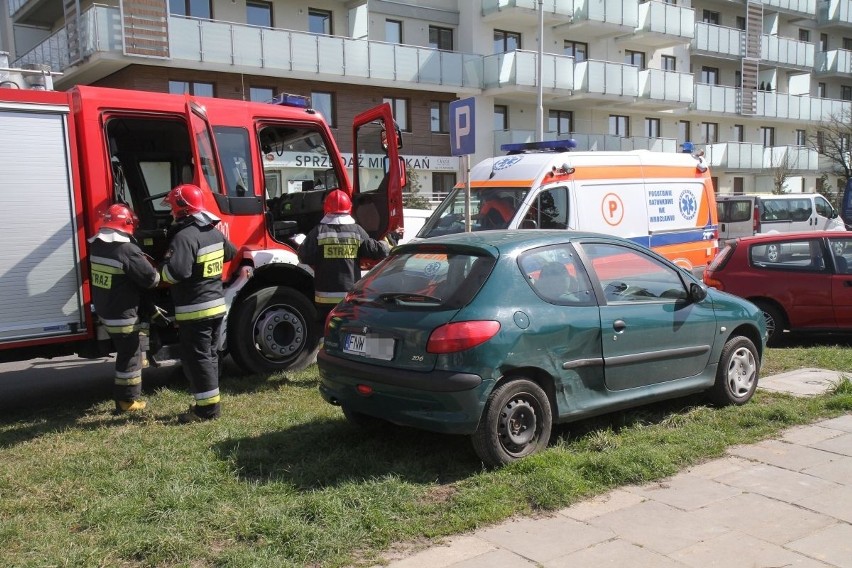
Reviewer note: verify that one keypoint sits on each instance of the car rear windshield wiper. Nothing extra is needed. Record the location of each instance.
(409, 297)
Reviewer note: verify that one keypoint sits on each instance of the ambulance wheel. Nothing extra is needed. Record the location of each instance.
(274, 329)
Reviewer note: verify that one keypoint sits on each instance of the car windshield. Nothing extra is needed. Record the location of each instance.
(490, 208)
(426, 278)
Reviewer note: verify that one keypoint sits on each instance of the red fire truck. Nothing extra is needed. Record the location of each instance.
(66, 156)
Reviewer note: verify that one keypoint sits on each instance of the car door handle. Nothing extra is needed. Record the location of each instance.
(619, 325)
(847, 283)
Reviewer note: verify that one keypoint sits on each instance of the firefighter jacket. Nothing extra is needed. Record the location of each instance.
(193, 265)
(334, 248)
(120, 272)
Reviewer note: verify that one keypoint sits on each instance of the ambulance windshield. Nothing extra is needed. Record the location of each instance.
(490, 208)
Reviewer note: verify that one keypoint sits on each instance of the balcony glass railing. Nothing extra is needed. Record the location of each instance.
(561, 7)
(715, 98)
(590, 142)
(834, 61)
(717, 39)
(787, 51)
(606, 78)
(796, 158)
(519, 68)
(800, 107)
(669, 19)
(656, 84)
(734, 155)
(618, 12)
(801, 6)
(835, 12)
(15, 5)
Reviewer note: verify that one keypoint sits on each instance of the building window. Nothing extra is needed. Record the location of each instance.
(847, 43)
(439, 114)
(576, 49)
(393, 31)
(709, 75)
(710, 132)
(669, 63)
(193, 8)
(619, 125)
(506, 41)
(821, 90)
(560, 121)
(739, 133)
(261, 94)
(400, 112)
(804, 35)
(684, 133)
(738, 186)
(636, 58)
(323, 103)
(652, 127)
(442, 184)
(741, 23)
(501, 117)
(440, 38)
(801, 137)
(820, 141)
(710, 17)
(738, 79)
(319, 21)
(767, 136)
(192, 88)
(823, 42)
(259, 14)
(845, 92)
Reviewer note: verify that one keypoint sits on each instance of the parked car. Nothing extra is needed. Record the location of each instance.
(498, 334)
(802, 281)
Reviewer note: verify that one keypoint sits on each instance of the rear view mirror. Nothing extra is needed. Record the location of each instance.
(697, 292)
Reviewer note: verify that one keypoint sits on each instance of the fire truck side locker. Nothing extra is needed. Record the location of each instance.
(41, 283)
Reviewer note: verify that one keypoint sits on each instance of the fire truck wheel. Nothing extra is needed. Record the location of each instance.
(274, 329)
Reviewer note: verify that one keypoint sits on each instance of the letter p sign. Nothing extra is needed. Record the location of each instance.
(462, 127)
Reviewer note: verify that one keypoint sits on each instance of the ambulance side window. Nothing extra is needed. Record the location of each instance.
(549, 211)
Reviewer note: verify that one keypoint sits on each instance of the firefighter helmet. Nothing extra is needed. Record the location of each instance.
(184, 200)
(120, 218)
(337, 203)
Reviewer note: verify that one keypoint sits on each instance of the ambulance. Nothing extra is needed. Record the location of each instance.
(663, 201)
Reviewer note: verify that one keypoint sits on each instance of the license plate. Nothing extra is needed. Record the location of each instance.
(369, 346)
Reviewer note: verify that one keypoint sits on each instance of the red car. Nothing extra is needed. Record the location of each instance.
(801, 281)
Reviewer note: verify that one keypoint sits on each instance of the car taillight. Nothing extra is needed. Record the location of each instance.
(755, 219)
(713, 282)
(458, 336)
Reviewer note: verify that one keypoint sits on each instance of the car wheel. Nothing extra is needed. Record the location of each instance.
(775, 322)
(274, 329)
(773, 253)
(516, 423)
(838, 247)
(363, 421)
(737, 374)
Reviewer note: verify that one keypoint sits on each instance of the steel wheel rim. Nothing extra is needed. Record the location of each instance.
(741, 372)
(279, 333)
(518, 427)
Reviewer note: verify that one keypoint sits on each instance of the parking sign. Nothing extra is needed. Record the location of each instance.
(462, 130)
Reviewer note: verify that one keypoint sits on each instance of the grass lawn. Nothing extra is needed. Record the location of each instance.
(282, 479)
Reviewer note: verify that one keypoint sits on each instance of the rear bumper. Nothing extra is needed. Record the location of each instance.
(440, 401)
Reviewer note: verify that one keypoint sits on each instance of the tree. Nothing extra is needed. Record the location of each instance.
(831, 140)
(781, 170)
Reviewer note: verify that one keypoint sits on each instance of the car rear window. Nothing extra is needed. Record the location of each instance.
(428, 278)
(734, 211)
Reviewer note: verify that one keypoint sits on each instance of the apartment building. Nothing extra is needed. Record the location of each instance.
(746, 81)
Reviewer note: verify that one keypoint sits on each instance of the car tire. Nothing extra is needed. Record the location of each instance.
(291, 336)
(516, 423)
(363, 421)
(737, 374)
(775, 322)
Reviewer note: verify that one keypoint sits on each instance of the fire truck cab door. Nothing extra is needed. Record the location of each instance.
(378, 171)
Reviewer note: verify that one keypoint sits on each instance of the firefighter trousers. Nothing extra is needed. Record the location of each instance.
(128, 366)
(199, 340)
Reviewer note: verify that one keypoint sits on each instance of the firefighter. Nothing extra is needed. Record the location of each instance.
(120, 274)
(193, 266)
(334, 249)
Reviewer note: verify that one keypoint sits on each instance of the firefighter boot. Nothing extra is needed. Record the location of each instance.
(132, 406)
(195, 414)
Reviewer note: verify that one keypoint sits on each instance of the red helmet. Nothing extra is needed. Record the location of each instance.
(337, 203)
(184, 200)
(119, 217)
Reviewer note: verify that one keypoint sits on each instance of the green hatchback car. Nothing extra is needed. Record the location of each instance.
(499, 334)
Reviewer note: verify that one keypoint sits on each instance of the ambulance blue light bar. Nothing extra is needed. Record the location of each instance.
(543, 146)
(286, 99)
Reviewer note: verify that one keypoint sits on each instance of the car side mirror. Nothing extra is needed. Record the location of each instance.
(697, 292)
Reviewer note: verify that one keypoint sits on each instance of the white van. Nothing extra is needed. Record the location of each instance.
(663, 201)
(750, 214)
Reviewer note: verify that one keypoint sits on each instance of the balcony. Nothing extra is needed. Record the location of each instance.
(663, 25)
(717, 41)
(837, 63)
(716, 99)
(835, 13)
(525, 12)
(603, 80)
(601, 18)
(39, 13)
(517, 70)
(660, 89)
(793, 158)
(588, 142)
(794, 7)
(786, 52)
(783, 106)
(734, 156)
